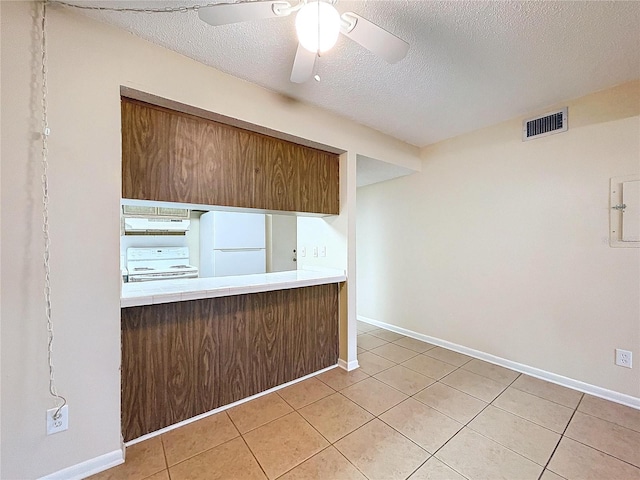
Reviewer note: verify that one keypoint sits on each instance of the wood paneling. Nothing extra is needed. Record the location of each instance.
(176, 157)
(186, 358)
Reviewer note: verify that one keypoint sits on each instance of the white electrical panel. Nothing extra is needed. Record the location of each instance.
(624, 211)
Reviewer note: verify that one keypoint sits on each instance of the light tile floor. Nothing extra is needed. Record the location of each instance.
(412, 410)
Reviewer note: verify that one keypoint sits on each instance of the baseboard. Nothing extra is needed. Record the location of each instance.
(348, 366)
(115, 458)
(594, 390)
(88, 467)
(225, 407)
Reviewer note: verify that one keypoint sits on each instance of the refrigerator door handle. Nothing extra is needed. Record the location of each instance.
(239, 249)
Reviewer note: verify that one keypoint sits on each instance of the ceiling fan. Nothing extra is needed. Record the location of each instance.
(318, 24)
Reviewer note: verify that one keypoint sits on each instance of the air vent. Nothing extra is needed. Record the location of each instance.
(547, 124)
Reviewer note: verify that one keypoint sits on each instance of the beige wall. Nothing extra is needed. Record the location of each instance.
(88, 62)
(502, 246)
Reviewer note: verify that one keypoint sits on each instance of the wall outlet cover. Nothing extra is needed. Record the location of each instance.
(624, 358)
(60, 424)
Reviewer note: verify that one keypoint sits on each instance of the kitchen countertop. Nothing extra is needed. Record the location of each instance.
(165, 291)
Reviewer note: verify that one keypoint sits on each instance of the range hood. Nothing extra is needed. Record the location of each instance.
(155, 225)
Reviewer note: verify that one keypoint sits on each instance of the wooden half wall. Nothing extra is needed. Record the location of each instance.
(186, 358)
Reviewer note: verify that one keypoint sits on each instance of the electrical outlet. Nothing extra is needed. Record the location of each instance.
(60, 424)
(323, 251)
(315, 251)
(624, 358)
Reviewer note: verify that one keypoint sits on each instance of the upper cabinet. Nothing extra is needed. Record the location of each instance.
(175, 157)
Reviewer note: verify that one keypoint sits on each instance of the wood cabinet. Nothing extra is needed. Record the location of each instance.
(186, 358)
(176, 157)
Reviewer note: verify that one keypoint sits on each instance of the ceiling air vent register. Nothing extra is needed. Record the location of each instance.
(547, 124)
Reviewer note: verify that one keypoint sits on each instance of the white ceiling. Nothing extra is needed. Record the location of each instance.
(370, 170)
(471, 63)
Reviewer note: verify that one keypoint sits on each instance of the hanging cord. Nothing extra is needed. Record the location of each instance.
(60, 400)
(179, 9)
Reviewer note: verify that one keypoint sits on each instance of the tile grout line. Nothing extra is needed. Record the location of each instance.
(233, 423)
(244, 440)
(266, 423)
(544, 398)
(377, 417)
(604, 453)
(419, 466)
(467, 393)
(333, 390)
(562, 435)
(200, 453)
(344, 436)
(164, 453)
(524, 418)
(413, 371)
(409, 439)
(350, 462)
(329, 442)
(529, 421)
(590, 446)
(465, 426)
(605, 420)
(332, 444)
(241, 435)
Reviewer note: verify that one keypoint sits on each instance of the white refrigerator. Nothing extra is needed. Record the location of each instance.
(232, 244)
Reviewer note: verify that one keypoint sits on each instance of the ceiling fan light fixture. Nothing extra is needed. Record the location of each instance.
(318, 26)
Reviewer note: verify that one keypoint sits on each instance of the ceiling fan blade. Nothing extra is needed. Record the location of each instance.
(226, 13)
(303, 65)
(374, 38)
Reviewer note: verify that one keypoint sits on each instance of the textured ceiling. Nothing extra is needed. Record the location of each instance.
(470, 64)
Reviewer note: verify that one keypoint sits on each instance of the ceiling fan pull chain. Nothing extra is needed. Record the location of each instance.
(316, 75)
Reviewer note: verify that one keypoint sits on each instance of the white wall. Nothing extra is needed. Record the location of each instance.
(502, 246)
(88, 62)
(193, 239)
(322, 232)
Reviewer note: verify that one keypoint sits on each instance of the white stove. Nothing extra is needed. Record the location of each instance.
(159, 263)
